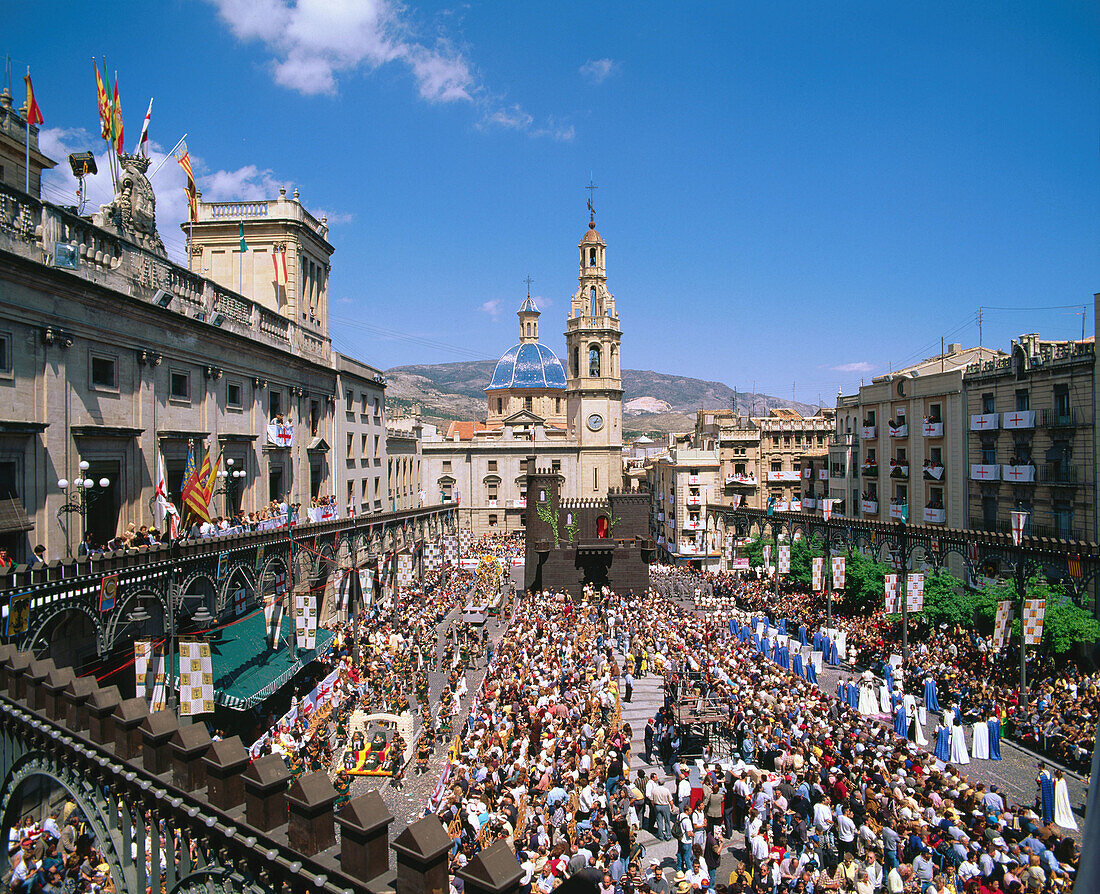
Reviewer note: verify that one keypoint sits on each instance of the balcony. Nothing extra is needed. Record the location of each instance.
(693, 480)
(868, 431)
(1019, 419)
(869, 469)
(933, 473)
(899, 431)
(782, 506)
(932, 429)
(985, 472)
(869, 507)
(694, 524)
(1058, 474)
(809, 503)
(822, 474)
(796, 505)
(740, 480)
(985, 421)
(935, 516)
(492, 503)
(899, 470)
(660, 516)
(899, 510)
(1019, 474)
(695, 501)
(1055, 418)
(521, 503)
(791, 476)
(838, 471)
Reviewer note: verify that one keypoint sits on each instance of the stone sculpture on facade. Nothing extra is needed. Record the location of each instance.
(132, 212)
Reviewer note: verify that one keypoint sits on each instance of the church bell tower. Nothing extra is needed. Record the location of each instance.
(594, 390)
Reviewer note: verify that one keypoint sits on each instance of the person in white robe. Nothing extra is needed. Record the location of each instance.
(884, 699)
(1063, 810)
(980, 748)
(868, 704)
(959, 754)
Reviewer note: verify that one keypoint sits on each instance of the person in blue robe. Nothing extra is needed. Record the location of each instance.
(802, 635)
(784, 658)
(994, 725)
(853, 695)
(943, 743)
(783, 625)
(841, 692)
(811, 673)
(1046, 792)
(931, 702)
(817, 641)
(899, 720)
(796, 665)
(888, 674)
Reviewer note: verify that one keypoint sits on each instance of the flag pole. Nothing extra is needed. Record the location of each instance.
(27, 158)
(171, 152)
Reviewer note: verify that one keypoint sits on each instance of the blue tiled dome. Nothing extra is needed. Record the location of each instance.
(528, 366)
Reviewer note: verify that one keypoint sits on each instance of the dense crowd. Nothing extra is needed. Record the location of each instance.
(824, 798)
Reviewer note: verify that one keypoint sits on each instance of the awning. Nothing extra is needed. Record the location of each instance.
(13, 517)
(246, 671)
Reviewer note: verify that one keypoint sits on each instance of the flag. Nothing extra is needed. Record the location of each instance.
(160, 495)
(104, 102)
(914, 593)
(198, 489)
(240, 232)
(826, 508)
(893, 598)
(1019, 521)
(184, 158)
(278, 258)
(34, 114)
(838, 572)
(273, 618)
(116, 120)
(143, 140)
(818, 574)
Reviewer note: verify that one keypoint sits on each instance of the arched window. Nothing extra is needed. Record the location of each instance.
(576, 361)
(594, 361)
(591, 257)
(592, 301)
(500, 404)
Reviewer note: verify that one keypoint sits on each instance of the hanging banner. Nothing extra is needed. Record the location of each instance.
(784, 558)
(305, 621)
(826, 508)
(818, 574)
(433, 555)
(1019, 519)
(767, 554)
(280, 434)
(108, 590)
(273, 618)
(893, 599)
(1034, 612)
(465, 540)
(450, 549)
(196, 679)
(1002, 623)
(366, 585)
(240, 600)
(280, 583)
(345, 579)
(736, 500)
(914, 593)
(149, 677)
(405, 570)
(838, 572)
(19, 615)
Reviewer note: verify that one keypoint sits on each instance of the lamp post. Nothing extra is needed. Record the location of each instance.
(1019, 522)
(230, 480)
(80, 494)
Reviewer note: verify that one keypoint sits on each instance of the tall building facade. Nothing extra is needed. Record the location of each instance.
(568, 416)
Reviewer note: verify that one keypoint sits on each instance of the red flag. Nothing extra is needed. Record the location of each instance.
(34, 114)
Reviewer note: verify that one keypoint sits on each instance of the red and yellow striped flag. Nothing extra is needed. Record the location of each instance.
(34, 114)
(116, 120)
(104, 102)
(199, 488)
(184, 158)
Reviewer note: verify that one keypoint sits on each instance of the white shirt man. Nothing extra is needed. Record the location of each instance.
(874, 871)
(823, 816)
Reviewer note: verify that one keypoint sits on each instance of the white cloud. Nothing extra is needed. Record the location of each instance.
(492, 308)
(859, 366)
(332, 217)
(510, 117)
(312, 42)
(596, 71)
(345, 300)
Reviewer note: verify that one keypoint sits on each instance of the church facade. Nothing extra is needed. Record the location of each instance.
(568, 415)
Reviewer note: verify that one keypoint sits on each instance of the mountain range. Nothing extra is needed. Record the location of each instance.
(653, 402)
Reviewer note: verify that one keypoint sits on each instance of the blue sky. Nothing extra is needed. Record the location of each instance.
(793, 194)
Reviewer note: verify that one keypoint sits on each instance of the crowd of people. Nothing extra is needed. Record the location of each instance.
(822, 798)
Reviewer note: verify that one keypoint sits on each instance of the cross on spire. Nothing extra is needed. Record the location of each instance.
(591, 196)
(528, 281)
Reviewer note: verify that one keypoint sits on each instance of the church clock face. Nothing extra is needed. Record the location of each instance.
(595, 421)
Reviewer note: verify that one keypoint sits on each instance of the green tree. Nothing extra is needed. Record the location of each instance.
(1065, 624)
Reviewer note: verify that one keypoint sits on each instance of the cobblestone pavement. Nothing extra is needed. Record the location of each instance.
(407, 802)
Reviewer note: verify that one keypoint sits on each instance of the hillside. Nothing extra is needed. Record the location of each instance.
(652, 401)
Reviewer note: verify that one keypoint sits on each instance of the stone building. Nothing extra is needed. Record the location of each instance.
(682, 483)
(404, 464)
(1031, 438)
(899, 445)
(113, 356)
(13, 149)
(360, 432)
(569, 418)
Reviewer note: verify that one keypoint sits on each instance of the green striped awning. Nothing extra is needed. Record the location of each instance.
(246, 671)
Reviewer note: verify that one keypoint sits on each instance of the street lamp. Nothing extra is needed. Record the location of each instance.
(1019, 523)
(230, 479)
(80, 494)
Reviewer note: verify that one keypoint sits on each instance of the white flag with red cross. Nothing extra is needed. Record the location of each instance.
(736, 500)
(826, 508)
(240, 599)
(1019, 520)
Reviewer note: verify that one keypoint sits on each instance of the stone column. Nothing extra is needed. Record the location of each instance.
(494, 870)
(56, 683)
(265, 783)
(76, 695)
(156, 731)
(17, 666)
(225, 764)
(101, 708)
(37, 671)
(128, 717)
(422, 858)
(310, 799)
(189, 745)
(364, 837)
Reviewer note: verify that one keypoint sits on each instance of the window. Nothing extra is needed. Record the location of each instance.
(351, 491)
(1023, 399)
(935, 412)
(989, 451)
(351, 446)
(595, 479)
(576, 362)
(1063, 521)
(528, 403)
(274, 403)
(314, 417)
(445, 491)
(901, 456)
(989, 512)
(555, 465)
(5, 350)
(594, 361)
(180, 385)
(786, 440)
(935, 498)
(557, 405)
(1022, 449)
(349, 401)
(377, 406)
(363, 403)
(870, 417)
(492, 520)
(492, 465)
(234, 395)
(591, 257)
(377, 447)
(901, 493)
(492, 491)
(103, 372)
(987, 403)
(936, 456)
(364, 490)
(364, 443)
(1061, 402)
(500, 405)
(777, 466)
(446, 465)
